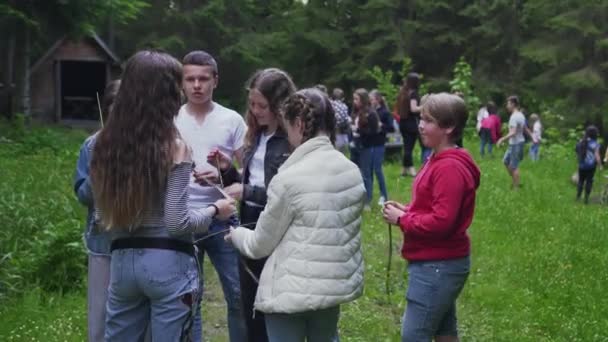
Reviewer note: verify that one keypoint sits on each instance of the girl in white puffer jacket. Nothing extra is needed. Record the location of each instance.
(310, 227)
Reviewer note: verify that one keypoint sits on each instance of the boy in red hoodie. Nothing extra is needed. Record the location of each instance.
(435, 222)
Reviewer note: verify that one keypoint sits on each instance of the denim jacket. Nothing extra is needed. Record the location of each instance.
(96, 242)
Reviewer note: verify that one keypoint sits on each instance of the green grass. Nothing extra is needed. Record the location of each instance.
(539, 259)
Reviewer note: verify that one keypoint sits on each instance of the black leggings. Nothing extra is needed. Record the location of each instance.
(585, 178)
(254, 322)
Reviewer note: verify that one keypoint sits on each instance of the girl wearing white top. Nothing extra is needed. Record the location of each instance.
(266, 148)
(537, 128)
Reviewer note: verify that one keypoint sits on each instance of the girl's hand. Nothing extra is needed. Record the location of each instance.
(219, 160)
(398, 205)
(228, 237)
(235, 191)
(225, 209)
(392, 213)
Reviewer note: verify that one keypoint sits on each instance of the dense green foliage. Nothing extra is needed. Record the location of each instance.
(555, 55)
(538, 269)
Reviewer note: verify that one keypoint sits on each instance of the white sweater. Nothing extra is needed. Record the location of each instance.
(311, 230)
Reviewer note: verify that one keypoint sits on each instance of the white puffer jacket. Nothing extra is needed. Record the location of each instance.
(311, 230)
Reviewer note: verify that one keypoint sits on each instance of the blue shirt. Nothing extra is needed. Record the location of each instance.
(96, 242)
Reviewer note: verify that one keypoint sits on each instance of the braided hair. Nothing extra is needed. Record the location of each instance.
(314, 109)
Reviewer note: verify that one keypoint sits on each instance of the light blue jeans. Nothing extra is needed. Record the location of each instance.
(534, 151)
(311, 326)
(432, 290)
(225, 260)
(155, 286)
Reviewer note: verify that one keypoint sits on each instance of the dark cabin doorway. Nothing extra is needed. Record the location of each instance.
(80, 82)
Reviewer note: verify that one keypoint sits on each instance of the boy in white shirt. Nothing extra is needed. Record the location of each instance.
(206, 125)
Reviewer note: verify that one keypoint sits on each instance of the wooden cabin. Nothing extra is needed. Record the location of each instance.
(65, 81)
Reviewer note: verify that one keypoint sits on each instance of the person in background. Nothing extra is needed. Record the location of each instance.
(370, 135)
(515, 151)
(96, 242)
(378, 149)
(310, 229)
(537, 129)
(434, 224)
(490, 129)
(343, 121)
(588, 155)
(408, 108)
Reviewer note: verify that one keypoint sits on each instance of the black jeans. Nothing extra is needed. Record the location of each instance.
(585, 178)
(255, 323)
(409, 141)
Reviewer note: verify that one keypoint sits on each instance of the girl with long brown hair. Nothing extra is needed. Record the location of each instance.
(140, 172)
(368, 131)
(266, 148)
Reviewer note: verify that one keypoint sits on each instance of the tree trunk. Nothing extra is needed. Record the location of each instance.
(8, 74)
(25, 100)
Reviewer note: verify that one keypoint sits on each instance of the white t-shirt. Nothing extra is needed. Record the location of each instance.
(537, 130)
(517, 121)
(481, 114)
(256, 165)
(223, 129)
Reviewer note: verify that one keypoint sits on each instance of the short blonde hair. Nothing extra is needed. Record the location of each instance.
(447, 110)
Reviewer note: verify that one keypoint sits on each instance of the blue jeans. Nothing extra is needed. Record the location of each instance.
(534, 151)
(377, 160)
(365, 166)
(225, 260)
(312, 326)
(432, 290)
(151, 285)
(514, 154)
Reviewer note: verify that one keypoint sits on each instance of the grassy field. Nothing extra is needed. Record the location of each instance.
(539, 260)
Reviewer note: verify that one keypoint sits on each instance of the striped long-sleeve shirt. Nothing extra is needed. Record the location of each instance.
(171, 211)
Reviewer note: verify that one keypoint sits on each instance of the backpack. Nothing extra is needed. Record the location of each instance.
(585, 151)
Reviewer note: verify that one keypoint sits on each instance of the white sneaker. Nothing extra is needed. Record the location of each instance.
(381, 201)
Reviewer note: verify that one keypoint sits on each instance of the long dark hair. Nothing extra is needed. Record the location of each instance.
(133, 152)
(362, 113)
(314, 109)
(276, 86)
(411, 84)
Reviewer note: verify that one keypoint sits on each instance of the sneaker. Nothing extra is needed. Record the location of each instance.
(381, 201)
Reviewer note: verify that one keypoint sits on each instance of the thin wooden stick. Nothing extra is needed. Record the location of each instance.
(99, 107)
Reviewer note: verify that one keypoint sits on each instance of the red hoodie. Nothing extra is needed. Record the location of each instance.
(443, 202)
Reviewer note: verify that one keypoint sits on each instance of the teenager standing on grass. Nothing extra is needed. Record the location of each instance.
(140, 172)
(537, 129)
(588, 155)
(434, 224)
(517, 129)
(310, 228)
(205, 125)
(408, 108)
(489, 130)
(266, 148)
(379, 141)
(97, 242)
(368, 129)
